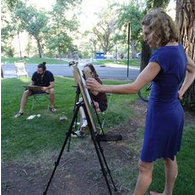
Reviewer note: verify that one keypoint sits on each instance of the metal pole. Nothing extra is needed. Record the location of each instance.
(128, 42)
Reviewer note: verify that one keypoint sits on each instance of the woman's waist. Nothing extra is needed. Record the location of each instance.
(164, 95)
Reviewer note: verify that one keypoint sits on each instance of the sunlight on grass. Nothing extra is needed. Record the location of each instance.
(132, 62)
(33, 60)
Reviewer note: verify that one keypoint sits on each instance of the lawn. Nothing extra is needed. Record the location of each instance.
(32, 60)
(34, 142)
(132, 62)
(21, 137)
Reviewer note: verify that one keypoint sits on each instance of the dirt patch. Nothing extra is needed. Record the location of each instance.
(79, 171)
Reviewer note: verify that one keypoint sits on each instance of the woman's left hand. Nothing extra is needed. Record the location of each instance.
(180, 95)
(93, 85)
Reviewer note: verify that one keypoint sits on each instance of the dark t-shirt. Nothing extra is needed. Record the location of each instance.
(100, 98)
(42, 80)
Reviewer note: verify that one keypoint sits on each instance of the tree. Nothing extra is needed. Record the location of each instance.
(131, 14)
(34, 22)
(58, 39)
(7, 31)
(11, 3)
(185, 15)
(105, 30)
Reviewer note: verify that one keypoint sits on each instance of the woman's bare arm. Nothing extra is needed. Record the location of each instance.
(146, 76)
(189, 78)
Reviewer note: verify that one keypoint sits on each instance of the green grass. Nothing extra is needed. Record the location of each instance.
(132, 62)
(185, 158)
(38, 140)
(184, 184)
(33, 60)
(21, 137)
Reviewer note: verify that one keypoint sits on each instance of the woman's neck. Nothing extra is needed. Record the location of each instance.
(172, 43)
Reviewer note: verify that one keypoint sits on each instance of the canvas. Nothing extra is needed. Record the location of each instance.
(80, 81)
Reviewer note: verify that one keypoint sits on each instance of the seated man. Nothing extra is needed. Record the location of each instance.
(99, 99)
(43, 78)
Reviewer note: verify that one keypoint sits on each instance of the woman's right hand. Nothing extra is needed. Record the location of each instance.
(93, 85)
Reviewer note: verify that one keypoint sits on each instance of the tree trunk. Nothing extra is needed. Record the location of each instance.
(185, 15)
(39, 48)
(145, 55)
(2, 75)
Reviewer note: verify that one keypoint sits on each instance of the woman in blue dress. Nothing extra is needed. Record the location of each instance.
(168, 67)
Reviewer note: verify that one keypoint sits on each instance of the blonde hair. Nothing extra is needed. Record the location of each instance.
(161, 27)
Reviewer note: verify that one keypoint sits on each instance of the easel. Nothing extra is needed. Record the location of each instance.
(96, 141)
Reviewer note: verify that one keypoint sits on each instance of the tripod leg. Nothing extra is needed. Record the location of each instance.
(101, 162)
(99, 153)
(108, 170)
(68, 134)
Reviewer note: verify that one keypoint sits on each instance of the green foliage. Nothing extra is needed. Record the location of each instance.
(188, 104)
(129, 21)
(106, 30)
(68, 4)
(31, 20)
(28, 18)
(157, 3)
(131, 14)
(58, 39)
(7, 31)
(11, 3)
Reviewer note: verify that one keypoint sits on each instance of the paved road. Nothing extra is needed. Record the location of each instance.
(107, 72)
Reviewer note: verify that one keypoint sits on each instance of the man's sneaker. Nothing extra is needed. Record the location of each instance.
(78, 133)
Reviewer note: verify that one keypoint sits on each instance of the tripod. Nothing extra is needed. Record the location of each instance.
(97, 145)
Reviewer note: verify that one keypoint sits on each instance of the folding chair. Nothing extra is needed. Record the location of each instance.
(102, 115)
(38, 98)
(20, 69)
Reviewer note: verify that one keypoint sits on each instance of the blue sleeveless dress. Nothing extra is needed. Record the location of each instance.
(165, 115)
